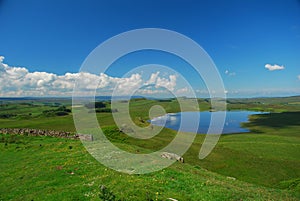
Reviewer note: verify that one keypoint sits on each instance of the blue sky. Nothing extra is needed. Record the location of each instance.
(240, 36)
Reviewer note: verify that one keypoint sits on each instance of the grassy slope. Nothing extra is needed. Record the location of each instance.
(47, 168)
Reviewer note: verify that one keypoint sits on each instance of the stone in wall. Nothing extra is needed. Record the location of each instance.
(40, 132)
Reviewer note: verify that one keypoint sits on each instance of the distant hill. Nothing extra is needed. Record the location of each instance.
(269, 100)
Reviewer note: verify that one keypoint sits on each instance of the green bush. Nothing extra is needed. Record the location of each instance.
(106, 110)
(61, 113)
(105, 194)
(95, 105)
(7, 116)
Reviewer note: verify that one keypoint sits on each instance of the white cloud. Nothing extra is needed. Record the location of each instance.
(125, 86)
(182, 90)
(18, 81)
(298, 77)
(153, 78)
(227, 72)
(167, 83)
(151, 91)
(274, 67)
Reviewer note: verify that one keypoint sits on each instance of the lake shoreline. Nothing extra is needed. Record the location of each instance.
(185, 121)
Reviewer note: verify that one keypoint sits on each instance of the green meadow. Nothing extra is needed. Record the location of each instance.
(263, 164)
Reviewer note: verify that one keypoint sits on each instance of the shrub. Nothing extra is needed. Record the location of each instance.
(7, 116)
(63, 108)
(106, 194)
(106, 110)
(95, 105)
(165, 100)
(61, 113)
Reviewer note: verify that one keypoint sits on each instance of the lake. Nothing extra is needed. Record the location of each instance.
(232, 123)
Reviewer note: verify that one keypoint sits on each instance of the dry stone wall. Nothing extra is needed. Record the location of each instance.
(40, 132)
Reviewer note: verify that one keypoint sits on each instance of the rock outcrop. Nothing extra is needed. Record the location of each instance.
(172, 156)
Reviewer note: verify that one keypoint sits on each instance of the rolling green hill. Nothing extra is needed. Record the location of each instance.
(261, 165)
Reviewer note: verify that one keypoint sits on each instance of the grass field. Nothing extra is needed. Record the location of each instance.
(44, 168)
(261, 165)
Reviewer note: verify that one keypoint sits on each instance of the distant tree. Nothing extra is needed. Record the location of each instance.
(7, 116)
(95, 105)
(61, 113)
(103, 110)
(63, 109)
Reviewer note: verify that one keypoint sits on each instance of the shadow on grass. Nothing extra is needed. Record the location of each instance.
(275, 120)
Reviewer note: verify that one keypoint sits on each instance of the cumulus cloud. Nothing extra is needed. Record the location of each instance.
(169, 83)
(153, 78)
(274, 67)
(18, 81)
